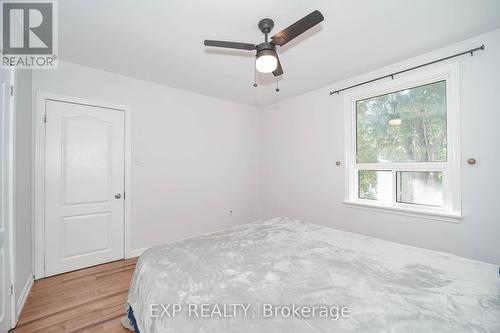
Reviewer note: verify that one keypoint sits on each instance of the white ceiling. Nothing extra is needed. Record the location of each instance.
(162, 41)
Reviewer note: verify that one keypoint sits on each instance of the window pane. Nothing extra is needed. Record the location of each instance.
(375, 185)
(403, 126)
(420, 187)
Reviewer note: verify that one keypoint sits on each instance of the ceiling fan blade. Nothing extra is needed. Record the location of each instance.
(299, 27)
(230, 45)
(278, 71)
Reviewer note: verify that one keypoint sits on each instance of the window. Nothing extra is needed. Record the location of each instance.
(403, 145)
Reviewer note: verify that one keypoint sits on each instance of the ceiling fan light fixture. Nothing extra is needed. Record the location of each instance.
(266, 61)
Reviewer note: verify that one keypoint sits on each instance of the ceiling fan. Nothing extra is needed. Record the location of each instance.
(267, 60)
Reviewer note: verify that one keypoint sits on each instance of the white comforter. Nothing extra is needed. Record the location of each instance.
(388, 287)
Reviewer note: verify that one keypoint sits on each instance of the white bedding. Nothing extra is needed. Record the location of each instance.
(388, 287)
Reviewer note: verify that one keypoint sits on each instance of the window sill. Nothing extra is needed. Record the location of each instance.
(431, 215)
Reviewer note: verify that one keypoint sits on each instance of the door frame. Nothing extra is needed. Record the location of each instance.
(39, 173)
(8, 177)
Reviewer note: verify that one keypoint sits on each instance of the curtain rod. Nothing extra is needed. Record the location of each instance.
(471, 51)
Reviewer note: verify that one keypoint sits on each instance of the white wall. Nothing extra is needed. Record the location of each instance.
(22, 186)
(198, 156)
(304, 137)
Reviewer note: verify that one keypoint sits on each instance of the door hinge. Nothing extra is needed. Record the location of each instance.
(11, 290)
(45, 118)
(123, 194)
(11, 90)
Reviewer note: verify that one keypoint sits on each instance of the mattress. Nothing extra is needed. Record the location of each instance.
(281, 267)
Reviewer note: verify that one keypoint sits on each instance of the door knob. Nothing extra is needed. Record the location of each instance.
(118, 195)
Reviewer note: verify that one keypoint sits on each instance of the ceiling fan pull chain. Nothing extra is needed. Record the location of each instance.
(255, 74)
(277, 87)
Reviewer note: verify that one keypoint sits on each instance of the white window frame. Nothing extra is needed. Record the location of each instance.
(451, 210)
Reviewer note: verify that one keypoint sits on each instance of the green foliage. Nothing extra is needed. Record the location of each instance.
(367, 180)
(421, 136)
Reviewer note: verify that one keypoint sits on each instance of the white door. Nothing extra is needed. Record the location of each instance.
(84, 186)
(6, 197)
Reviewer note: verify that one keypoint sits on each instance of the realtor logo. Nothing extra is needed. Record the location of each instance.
(29, 34)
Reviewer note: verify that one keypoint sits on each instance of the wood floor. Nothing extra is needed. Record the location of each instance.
(88, 300)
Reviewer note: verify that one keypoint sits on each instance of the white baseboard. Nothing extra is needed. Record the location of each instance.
(136, 253)
(23, 297)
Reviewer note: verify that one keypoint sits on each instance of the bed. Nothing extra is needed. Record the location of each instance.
(282, 262)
